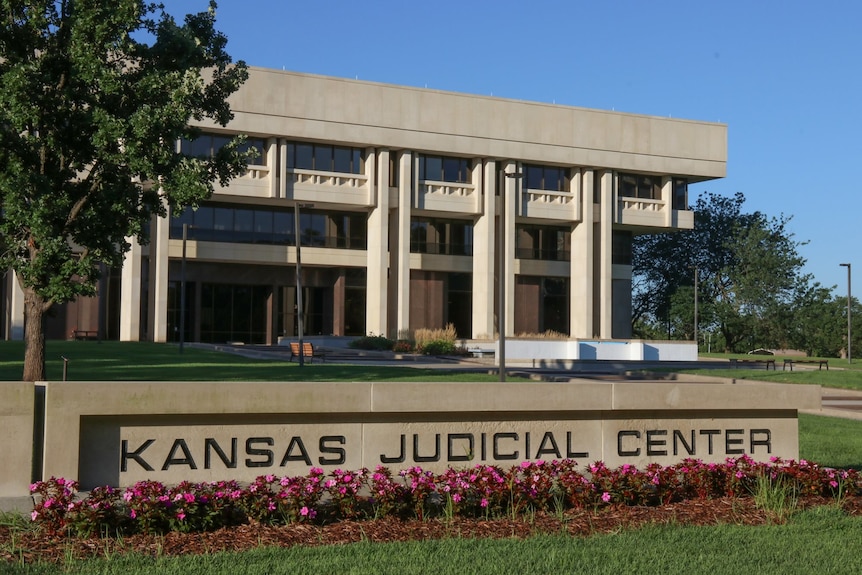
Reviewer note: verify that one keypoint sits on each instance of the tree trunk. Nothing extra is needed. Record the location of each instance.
(34, 336)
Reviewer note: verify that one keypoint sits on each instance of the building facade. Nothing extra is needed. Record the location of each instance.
(400, 195)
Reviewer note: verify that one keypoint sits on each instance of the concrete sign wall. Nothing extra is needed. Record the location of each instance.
(119, 433)
(16, 424)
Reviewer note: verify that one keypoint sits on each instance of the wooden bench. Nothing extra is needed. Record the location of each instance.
(767, 362)
(82, 334)
(820, 363)
(308, 351)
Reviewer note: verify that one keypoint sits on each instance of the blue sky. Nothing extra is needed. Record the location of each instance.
(785, 76)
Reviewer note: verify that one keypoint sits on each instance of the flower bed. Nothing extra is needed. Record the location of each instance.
(482, 491)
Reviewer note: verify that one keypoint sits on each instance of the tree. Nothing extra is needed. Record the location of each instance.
(94, 95)
(748, 266)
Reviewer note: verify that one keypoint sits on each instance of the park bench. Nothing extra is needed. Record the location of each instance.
(82, 334)
(820, 363)
(308, 351)
(767, 362)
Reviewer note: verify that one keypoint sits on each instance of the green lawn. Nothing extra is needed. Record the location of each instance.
(139, 361)
(822, 540)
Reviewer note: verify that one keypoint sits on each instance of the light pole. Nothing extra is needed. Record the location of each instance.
(849, 329)
(297, 235)
(183, 289)
(501, 283)
(695, 308)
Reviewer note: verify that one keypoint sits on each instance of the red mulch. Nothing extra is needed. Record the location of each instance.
(33, 546)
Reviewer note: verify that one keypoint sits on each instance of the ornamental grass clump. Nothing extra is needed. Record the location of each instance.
(479, 491)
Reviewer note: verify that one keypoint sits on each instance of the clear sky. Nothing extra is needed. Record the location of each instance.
(785, 76)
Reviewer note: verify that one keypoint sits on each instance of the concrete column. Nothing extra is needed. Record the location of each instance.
(378, 250)
(272, 155)
(406, 184)
(130, 293)
(159, 263)
(14, 309)
(484, 252)
(510, 197)
(667, 198)
(605, 243)
(581, 268)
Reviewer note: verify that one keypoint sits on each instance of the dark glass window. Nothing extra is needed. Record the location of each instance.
(206, 145)
(444, 169)
(547, 178)
(555, 305)
(542, 243)
(269, 226)
(324, 158)
(621, 253)
(680, 194)
(638, 186)
(435, 236)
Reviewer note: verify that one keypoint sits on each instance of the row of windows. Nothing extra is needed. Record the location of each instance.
(649, 187)
(324, 158)
(444, 169)
(207, 145)
(546, 178)
(347, 230)
(343, 159)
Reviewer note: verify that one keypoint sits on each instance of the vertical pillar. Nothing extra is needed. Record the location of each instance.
(377, 250)
(508, 195)
(130, 293)
(159, 261)
(272, 155)
(484, 252)
(605, 243)
(581, 262)
(667, 198)
(406, 183)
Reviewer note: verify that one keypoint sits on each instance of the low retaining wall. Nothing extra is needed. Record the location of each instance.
(108, 433)
(539, 352)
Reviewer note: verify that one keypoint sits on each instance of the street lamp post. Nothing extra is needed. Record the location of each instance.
(501, 299)
(296, 207)
(849, 328)
(695, 308)
(183, 289)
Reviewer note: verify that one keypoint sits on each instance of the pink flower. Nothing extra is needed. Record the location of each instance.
(484, 502)
(34, 515)
(132, 514)
(304, 511)
(181, 514)
(606, 497)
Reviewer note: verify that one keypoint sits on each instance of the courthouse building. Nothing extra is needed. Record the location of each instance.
(400, 191)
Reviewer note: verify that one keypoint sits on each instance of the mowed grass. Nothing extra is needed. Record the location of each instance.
(141, 361)
(823, 540)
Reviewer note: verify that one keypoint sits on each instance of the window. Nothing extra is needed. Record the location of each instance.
(207, 145)
(638, 186)
(444, 169)
(324, 158)
(547, 178)
(542, 243)
(680, 194)
(224, 223)
(621, 249)
(435, 236)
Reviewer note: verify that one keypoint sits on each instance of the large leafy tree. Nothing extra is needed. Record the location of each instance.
(748, 266)
(94, 95)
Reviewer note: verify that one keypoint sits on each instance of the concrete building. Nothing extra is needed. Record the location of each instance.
(399, 192)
